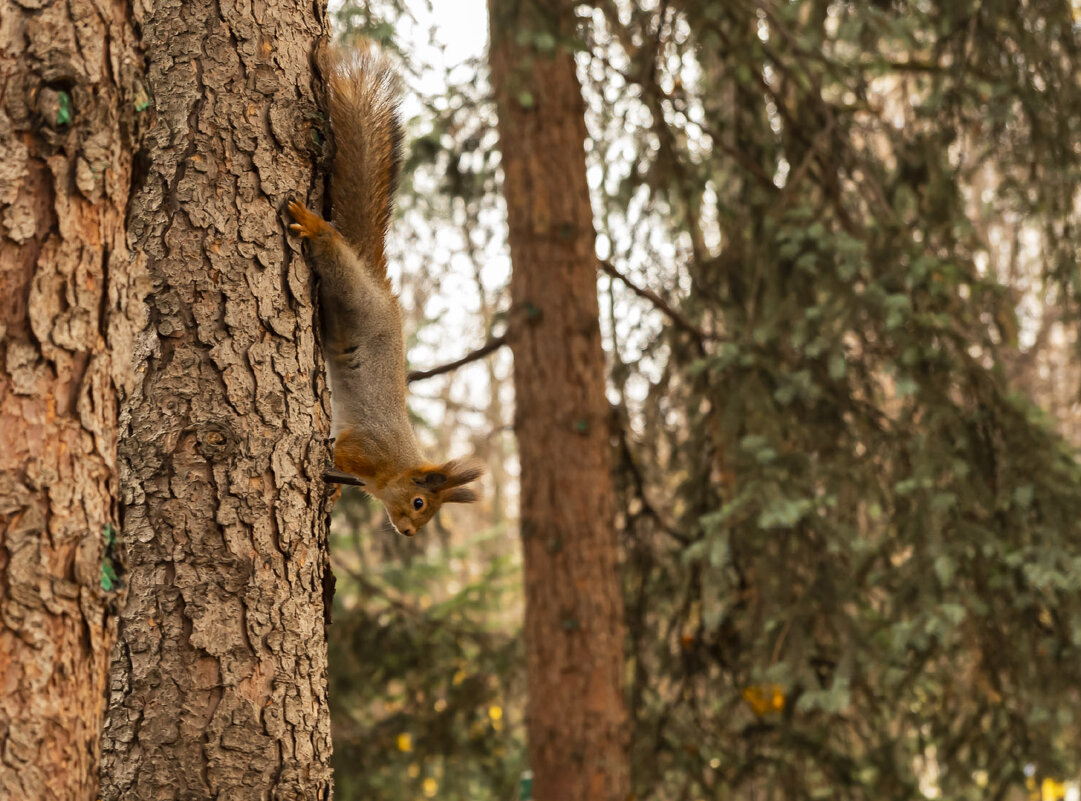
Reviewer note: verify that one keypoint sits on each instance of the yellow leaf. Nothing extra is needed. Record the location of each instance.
(764, 699)
(431, 787)
(495, 712)
(1051, 790)
(405, 742)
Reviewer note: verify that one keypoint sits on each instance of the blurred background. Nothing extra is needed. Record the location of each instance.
(839, 306)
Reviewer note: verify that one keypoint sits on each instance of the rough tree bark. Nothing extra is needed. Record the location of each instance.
(218, 684)
(577, 722)
(67, 302)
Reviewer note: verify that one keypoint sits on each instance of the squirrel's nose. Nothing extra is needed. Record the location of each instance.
(407, 531)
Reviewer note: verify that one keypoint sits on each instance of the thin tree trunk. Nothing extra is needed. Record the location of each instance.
(66, 293)
(218, 684)
(577, 722)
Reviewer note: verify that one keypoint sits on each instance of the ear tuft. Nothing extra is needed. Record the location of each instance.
(462, 471)
(459, 495)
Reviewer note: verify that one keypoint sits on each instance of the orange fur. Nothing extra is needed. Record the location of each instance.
(363, 97)
(349, 456)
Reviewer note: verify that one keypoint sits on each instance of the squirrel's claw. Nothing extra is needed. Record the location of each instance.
(340, 477)
(308, 224)
(301, 227)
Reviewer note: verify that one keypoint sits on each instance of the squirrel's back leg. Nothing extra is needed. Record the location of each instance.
(347, 281)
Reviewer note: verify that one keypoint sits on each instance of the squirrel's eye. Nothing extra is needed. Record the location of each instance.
(418, 503)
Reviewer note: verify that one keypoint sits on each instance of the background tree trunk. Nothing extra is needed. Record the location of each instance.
(66, 293)
(218, 685)
(574, 620)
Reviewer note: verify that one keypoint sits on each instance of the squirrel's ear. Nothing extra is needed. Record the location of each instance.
(431, 479)
(458, 495)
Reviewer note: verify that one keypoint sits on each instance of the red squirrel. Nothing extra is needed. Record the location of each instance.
(361, 319)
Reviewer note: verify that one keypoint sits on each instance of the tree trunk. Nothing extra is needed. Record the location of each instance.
(577, 723)
(66, 293)
(218, 684)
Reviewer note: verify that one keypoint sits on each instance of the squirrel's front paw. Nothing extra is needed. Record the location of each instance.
(308, 224)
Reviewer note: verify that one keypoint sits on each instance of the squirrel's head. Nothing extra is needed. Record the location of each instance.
(413, 498)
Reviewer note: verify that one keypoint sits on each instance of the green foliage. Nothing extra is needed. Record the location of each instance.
(864, 514)
(64, 110)
(109, 577)
(426, 680)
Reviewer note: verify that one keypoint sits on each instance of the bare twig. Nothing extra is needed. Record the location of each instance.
(648, 294)
(618, 420)
(820, 142)
(492, 345)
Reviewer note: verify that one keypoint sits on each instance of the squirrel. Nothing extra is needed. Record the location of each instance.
(361, 320)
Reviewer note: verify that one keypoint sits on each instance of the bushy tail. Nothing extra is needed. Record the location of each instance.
(363, 97)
